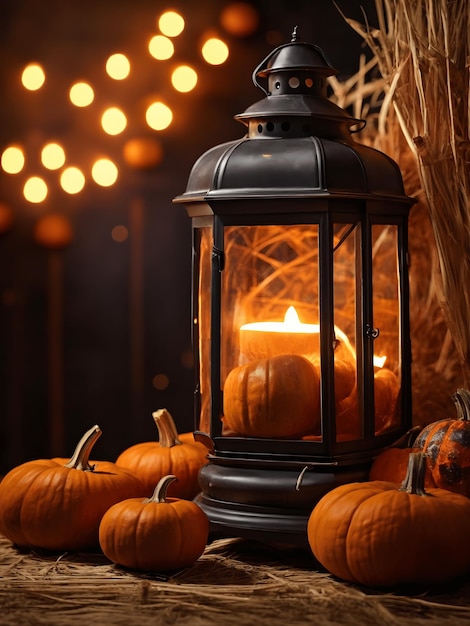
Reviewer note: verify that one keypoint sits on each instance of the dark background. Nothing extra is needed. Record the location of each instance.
(85, 330)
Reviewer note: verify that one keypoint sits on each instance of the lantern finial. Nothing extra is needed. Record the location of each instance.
(294, 36)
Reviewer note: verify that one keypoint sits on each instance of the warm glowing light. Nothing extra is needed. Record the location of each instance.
(240, 19)
(184, 78)
(35, 189)
(291, 324)
(81, 94)
(260, 340)
(113, 121)
(161, 48)
(158, 116)
(379, 361)
(12, 160)
(52, 156)
(72, 180)
(171, 23)
(215, 51)
(118, 66)
(104, 172)
(160, 381)
(119, 233)
(33, 77)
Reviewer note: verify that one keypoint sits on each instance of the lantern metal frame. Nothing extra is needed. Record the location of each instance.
(265, 488)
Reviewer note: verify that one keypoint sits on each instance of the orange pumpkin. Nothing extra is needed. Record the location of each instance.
(392, 463)
(386, 392)
(156, 533)
(447, 446)
(378, 534)
(58, 505)
(172, 454)
(274, 397)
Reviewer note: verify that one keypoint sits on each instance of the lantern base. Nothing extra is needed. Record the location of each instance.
(269, 505)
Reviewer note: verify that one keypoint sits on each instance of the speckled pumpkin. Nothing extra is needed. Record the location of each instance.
(446, 443)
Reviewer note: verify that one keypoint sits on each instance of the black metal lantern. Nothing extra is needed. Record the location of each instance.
(300, 304)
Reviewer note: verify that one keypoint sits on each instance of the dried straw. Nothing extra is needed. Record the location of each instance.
(422, 51)
(235, 583)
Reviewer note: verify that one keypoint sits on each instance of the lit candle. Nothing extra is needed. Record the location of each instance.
(262, 340)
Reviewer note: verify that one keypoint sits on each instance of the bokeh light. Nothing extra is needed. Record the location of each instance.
(184, 78)
(215, 51)
(142, 152)
(35, 190)
(52, 156)
(160, 382)
(53, 231)
(171, 23)
(7, 217)
(161, 48)
(81, 94)
(158, 116)
(113, 121)
(104, 172)
(118, 66)
(119, 233)
(72, 180)
(240, 19)
(33, 77)
(13, 160)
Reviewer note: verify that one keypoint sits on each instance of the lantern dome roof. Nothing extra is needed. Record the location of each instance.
(298, 142)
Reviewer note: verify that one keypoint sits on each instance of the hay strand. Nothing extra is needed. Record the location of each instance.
(422, 51)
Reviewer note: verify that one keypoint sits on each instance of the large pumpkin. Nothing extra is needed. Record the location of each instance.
(156, 533)
(55, 504)
(173, 453)
(378, 534)
(275, 397)
(446, 443)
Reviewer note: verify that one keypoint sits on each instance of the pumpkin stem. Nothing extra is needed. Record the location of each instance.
(80, 457)
(462, 403)
(167, 432)
(415, 473)
(159, 495)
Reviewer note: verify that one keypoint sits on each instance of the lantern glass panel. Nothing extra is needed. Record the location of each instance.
(270, 295)
(203, 245)
(347, 315)
(386, 311)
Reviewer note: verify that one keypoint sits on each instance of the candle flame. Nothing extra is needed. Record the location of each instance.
(379, 361)
(291, 317)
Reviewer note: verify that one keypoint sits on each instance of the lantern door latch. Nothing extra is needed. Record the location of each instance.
(371, 332)
(218, 258)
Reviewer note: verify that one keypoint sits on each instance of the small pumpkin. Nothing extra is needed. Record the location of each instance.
(55, 504)
(345, 378)
(446, 443)
(171, 454)
(386, 393)
(156, 533)
(378, 534)
(392, 463)
(275, 397)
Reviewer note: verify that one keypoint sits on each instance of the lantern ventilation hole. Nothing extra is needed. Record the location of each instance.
(294, 82)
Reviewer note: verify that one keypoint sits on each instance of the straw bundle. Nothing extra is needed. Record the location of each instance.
(422, 50)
